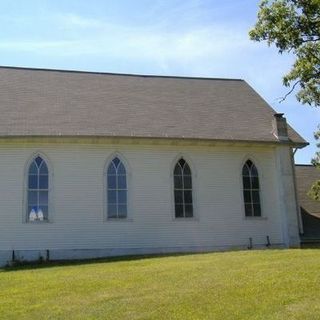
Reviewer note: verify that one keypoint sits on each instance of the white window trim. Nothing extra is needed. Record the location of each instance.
(25, 218)
(129, 217)
(260, 175)
(194, 188)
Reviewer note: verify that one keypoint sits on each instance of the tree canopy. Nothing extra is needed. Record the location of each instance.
(293, 26)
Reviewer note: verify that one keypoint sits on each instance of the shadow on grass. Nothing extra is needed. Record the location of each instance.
(30, 265)
(26, 265)
(311, 245)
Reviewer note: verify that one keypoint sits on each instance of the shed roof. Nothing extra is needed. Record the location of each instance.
(42, 102)
(306, 175)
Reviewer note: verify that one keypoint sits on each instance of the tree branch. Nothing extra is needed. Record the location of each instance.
(310, 40)
(314, 56)
(288, 93)
(314, 75)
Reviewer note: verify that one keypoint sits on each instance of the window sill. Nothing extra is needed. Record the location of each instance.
(255, 218)
(38, 222)
(118, 220)
(191, 219)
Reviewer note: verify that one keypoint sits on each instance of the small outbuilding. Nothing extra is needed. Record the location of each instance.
(306, 176)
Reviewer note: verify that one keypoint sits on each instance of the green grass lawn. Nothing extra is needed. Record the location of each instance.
(270, 284)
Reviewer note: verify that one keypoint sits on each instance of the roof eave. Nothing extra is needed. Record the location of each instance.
(293, 144)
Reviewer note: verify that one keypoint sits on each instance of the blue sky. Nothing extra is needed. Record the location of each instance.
(165, 37)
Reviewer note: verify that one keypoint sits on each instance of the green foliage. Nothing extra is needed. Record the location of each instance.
(314, 192)
(266, 284)
(294, 26)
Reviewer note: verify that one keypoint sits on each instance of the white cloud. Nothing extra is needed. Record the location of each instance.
(35, 46)
(152, 43)
(211, 50)
(71, 20)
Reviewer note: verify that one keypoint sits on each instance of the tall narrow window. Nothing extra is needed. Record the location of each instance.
(117, 189)
(183, 190)
(38, 190)
(251, 193)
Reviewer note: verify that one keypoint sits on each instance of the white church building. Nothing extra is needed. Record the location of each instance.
(98, 164)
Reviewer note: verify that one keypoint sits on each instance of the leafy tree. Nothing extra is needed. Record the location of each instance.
(293, 26)
(314, 192)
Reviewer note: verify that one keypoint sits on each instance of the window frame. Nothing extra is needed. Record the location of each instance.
(195, 216)
(25, 205)
(254, 161)
(105, 189)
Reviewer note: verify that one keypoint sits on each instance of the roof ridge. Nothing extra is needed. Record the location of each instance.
(119, 74)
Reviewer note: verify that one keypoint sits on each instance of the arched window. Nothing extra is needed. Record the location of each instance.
(38, 190)
(183, 190)
(117, 189)
(251, 193)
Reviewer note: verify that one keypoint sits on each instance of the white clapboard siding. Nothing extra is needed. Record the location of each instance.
(77, 209)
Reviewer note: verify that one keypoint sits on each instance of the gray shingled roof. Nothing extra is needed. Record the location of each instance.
(306, 175)
(37, 102)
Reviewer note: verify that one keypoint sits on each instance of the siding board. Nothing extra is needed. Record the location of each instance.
(78, 198)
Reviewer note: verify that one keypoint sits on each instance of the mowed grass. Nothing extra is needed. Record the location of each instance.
(270, 284)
